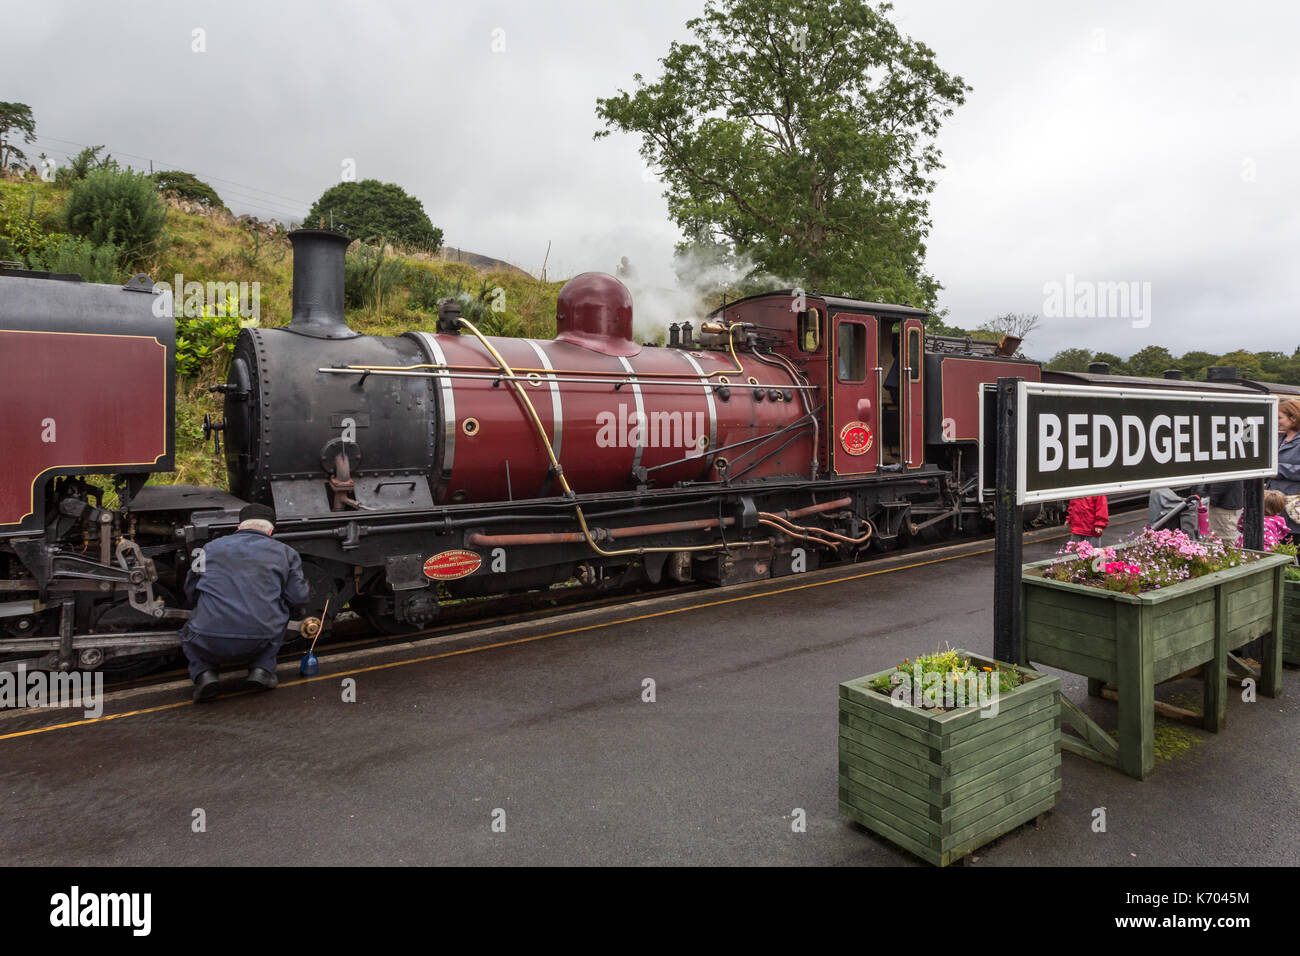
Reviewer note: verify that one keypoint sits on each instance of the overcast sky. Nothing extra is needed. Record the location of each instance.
(1128, 141)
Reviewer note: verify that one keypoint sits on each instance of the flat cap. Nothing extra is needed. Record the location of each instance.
(257, 513)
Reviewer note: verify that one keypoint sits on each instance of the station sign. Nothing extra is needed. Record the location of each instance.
(1081, 440)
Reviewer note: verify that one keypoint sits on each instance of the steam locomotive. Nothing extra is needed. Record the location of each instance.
(409, 471)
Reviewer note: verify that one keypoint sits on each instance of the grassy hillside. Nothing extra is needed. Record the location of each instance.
(212, 245)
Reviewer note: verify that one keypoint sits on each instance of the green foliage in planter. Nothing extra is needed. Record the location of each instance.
(1286, 547)
(1147, 561)
(950, 663)
(119, 207)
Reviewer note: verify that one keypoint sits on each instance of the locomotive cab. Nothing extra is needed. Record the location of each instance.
(867, 362)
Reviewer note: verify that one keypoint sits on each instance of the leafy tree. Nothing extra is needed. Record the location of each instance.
(1195, 363)
(16, 124)
(1150, 362)
(1247, 364)
(120, 207)
(369, 210)
(1117, 365)
(188, 186)
(1070, 360)
(800, 135)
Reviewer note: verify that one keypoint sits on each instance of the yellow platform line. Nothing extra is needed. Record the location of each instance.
(522, 640)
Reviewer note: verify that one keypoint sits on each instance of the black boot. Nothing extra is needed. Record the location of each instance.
(260, 677)
(206, 686)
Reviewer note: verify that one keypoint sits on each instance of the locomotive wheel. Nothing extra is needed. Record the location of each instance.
(378, 614)
(122, 617)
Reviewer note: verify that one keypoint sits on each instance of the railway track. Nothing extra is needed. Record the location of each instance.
(465, 618)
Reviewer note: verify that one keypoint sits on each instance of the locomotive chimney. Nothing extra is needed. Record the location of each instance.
(318, 284)
(1099, 368)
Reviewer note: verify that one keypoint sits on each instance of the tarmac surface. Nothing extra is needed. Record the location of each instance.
(546, 729)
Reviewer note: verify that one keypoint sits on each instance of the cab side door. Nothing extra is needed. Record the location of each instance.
(855, 395)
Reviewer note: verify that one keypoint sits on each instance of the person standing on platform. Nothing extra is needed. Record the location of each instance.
(1287, 479)
(1226, 499)
(1088, 518)
(1163, 500)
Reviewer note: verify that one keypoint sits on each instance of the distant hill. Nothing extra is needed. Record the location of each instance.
(480, 262)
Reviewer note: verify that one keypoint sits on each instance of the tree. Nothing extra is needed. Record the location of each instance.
(118, 207)
(1246, 364)
(188, 186)
(371, 210)
(1194, 364)
(800, 135)
(1070, 360)
(1117, 365)
(1150, 362)
(16, 123)
(1019, 324)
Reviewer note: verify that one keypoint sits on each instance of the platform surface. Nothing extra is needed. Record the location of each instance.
(550, 726)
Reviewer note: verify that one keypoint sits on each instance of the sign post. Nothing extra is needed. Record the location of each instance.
(1009, 526)
(1054, 442)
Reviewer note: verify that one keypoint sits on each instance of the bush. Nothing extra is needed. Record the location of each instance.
(120, 207)
(79, 166)
(188, 186)
(201, 339)
(370, 209)
(94, 263)
(368, 274)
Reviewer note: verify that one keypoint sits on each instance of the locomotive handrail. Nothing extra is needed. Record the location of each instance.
(552, 376)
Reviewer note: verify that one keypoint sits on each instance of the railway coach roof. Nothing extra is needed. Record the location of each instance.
(1134, 381)
(842, 303)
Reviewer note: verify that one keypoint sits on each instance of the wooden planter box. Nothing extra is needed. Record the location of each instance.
(1291, 622)
(1136, 641)
(942, 785)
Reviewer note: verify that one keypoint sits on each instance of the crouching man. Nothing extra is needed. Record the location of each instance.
(243, 589)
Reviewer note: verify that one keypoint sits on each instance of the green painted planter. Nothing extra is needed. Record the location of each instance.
(942, 785)
(1138, 641)
(1291, 622)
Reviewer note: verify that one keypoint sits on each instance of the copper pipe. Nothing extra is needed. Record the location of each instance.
(833, 545)
(799, 531)
(598, 534)
(817, 509)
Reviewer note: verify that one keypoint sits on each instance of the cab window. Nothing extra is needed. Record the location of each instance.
(914, 354)
(810, 330)
(851, 349)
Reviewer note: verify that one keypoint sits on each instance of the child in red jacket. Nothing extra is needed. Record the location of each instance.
(1088, 518)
